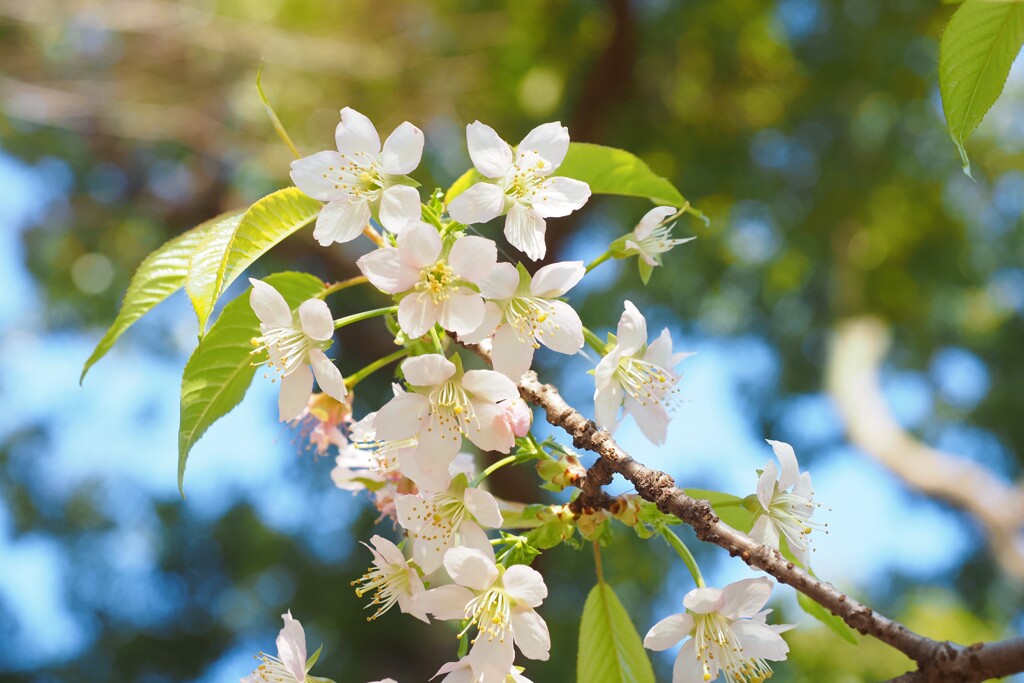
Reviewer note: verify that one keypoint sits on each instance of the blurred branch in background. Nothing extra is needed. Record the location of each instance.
(859, 346)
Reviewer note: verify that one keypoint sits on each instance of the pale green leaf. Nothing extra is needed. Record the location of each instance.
(264, 225)
(728, 507)
(219, 371)
(834, 623)
(610, 649)
(203, 266)
(158, 276)
(464, 182)
(977, 50)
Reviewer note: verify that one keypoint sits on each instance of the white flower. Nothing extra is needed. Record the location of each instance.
(524, 312)
(434, 287)
(520, 184)
(362, 176)
(637, 377)
(787, 503)
(445, 405)
(391, 579)
(651, 238)
(434, 520)
(499, 602)
(728, 634)
(289, 666)
(462, 672)
(293, 342)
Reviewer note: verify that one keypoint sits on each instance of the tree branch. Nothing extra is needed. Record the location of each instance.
(938, 661)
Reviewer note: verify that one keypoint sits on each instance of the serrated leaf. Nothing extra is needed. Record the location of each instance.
(158, 276)
(225, 255)
(610, 649)
(976, 52)
(834, 623)
(728, 507)
(219, 371)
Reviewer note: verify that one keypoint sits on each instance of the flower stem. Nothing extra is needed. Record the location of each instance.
(437, 340)
(599, 260)
(684, 552)
(492, 469)
(365, 315)
(274, 121)
(595, 341)
(357, 377)
(342, 284)
(597, 562)
(374, 236)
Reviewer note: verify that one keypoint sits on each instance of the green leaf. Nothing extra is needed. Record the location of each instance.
(225, 256)
(316, 655)
(606, 169)
(219, 372)
(610, 649)
(977, 50)
(834, 623)
(158, 276)
(728, 507)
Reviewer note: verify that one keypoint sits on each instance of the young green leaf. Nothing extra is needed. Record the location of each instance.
(610, 649)
(225, 256)
(219, 371)
(834, 623)
(158, 276)
(977, 50)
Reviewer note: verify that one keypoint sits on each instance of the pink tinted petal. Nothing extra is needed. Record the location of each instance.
(400, 417)
(478, 204)
(473, 258)
(566, 335)
(491, 320)
(470, 568)
(632, 330)
(317, 175)
(427, 370)
(766, 484)
(787, 458)
(417, 313)
(341, 221)
(291, 646)
(491, 155)
(659, 352)
(669, 631)
(746, 598)
(483, 506)
(317, 321)
(412, 511)
(268, 305)
(511, 355)
(652, 419)
(388, 550)
(402, 150)
(531, 634)
(472, 536)
(327, 374)
(559, 196)
(462, 312)
(760, 641)
(490, 430)
(525, 585)
(356, 137)
(547, 143)
(399, 206)
(556, 279)
(524, 230)
(704, 600)
(500, 283)
(428, 474)
(446, 602)
(419, 245)
(295, 390)
(651, 220)
(490, 385)
(387, 272)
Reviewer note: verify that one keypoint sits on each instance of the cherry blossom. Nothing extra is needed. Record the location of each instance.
(499, 602)
(524, 312)
(290, 663)
(728, 635)
(462, 672)
(293, 342)
(321, 422)
(520, 184)
(391, 579)
(650, 239)
(787, 503)
(362, 178)
(435, 284)
(637, 377)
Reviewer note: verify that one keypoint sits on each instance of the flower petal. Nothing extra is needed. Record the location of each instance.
(490, 430)
(651, 220)
(316, 319)
(462, 312)
(472, 536)
(632, 330)
(559, 196)
(445, 602)
(386, 270)
(669, 631)
(478, 204)
(470, 568)
(556, 279)
(429, 474)
(427, 370)
(511, 355)
(544, 147)
(317, 175)
(688, 669)
(491, 155)
(491, 320)
(400, 418)
(399, 206)
(356, 137)
(491, 659)
(651, 417)
(418, 312)
(765, 532)
(606, 406)
(524, 585)
(295, 390)
(704, 600)
(531, 634)
(341, 221)
(327, 374)
(291, 646)
(473, 258)
(659, 352)
(483, 507)
(565, 334)
(760, 641)
(268, 305)
(490, 385)
(745, 598)
(388, 550)
(419, 245)
(787, 458)
(766, 484)
(402, 150)
(500, 283)
(524, 230)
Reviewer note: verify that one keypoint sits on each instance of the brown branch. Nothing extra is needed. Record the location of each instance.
(938, 661)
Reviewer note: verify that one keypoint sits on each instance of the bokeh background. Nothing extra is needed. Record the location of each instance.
(809, 131)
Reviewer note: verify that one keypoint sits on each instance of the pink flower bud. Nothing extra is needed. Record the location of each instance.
(519, 416)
